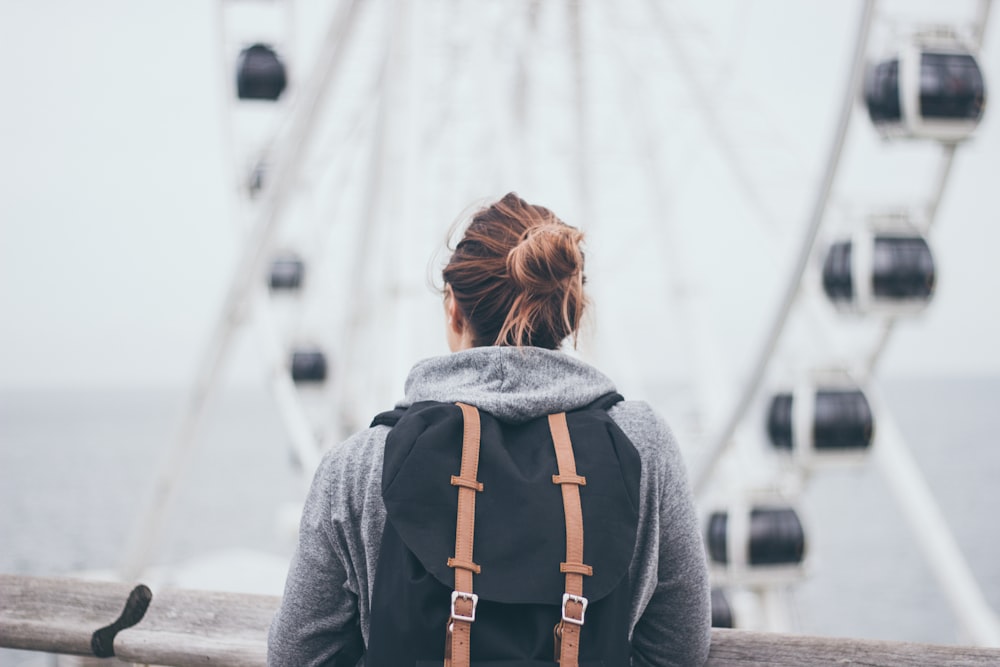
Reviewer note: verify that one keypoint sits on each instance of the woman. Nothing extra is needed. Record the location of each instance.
(513, 294)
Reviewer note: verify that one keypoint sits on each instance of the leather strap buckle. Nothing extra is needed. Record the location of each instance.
(455, 595)
(579, 599)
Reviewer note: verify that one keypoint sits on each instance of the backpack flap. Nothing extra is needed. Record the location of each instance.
(520, 536)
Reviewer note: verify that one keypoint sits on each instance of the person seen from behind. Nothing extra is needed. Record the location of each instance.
(513, 509)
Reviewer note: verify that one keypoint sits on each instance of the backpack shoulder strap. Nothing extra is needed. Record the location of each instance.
(574, 605)
(463, 600)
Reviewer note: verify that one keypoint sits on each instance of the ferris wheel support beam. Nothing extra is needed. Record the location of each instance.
(520, 93)
(982, 17)
(580, 106)
(404, 195)
(302, 439)
(583, 148)
(360, 292)
(719, 445)
(307, 110)
(944, 172)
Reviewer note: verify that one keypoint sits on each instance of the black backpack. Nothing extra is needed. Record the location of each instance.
(521, 599)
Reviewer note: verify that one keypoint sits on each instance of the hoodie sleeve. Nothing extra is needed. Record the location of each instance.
(672, 613)
(318, 620)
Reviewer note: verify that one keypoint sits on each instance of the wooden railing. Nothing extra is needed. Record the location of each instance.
(188, 627)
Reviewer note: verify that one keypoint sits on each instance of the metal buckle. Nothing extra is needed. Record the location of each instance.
(467, 596)
(575, 598)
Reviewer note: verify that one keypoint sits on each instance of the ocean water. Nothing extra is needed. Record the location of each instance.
(76, 469)
(871, 579)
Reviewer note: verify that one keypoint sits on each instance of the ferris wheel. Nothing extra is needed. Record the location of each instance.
(360, 130)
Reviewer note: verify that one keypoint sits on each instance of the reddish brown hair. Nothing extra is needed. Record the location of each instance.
(517, 276)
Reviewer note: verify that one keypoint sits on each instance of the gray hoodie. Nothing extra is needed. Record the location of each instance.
(329, 586)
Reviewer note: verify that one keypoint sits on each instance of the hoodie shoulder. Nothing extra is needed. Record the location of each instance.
(650, 434)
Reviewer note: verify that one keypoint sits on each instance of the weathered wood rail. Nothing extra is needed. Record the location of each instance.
(188, 628)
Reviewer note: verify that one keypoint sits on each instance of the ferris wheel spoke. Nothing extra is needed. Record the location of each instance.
(364, 274)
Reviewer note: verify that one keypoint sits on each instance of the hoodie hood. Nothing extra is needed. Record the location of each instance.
(514, 384)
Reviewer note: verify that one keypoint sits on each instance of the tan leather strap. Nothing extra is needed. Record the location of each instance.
(463, 600)
(574, 605)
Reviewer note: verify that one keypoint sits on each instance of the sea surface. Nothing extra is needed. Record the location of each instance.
(76, 469)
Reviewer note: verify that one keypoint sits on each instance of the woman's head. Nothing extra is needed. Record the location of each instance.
(516, 277)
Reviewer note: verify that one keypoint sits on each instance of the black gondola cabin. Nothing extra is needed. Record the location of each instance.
(260, 74)
(930, 88)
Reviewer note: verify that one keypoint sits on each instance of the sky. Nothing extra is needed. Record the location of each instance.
(118, 235)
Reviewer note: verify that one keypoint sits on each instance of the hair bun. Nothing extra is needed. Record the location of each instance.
(545, 258)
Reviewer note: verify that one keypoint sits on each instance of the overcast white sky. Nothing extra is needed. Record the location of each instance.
(116, 240)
